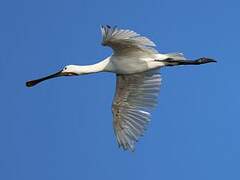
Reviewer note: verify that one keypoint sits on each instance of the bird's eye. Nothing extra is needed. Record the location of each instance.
(65, 68)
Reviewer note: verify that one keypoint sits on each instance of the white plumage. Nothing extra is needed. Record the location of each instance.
(136, 94)
(135, 97)
(136, 63)
(119, 39)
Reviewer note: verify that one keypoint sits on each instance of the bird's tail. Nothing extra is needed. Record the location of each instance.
(176, 56)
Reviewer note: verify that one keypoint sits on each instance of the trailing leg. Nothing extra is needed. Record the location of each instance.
(174, 62)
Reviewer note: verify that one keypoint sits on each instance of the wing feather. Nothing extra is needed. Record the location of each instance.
(120, 40)
(136, 95)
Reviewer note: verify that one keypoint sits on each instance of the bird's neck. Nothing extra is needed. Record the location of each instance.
(93, 68)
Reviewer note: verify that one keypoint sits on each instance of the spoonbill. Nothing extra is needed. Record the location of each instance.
(136, 64)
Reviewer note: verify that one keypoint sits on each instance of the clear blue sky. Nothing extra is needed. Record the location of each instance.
(62, 129)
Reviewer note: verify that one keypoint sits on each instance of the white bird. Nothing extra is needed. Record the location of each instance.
(136, 64)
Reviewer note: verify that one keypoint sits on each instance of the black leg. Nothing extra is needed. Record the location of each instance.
(173, 62)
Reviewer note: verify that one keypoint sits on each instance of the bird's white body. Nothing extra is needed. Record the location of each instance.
(120, 64)
(136, 63)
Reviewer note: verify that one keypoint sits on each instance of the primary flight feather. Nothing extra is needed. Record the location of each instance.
(136, 63)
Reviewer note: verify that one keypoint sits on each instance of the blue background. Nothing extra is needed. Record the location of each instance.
(62, 129)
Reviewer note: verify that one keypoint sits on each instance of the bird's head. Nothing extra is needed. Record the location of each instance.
(69, 70)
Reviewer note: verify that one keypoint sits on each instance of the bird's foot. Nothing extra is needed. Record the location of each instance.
(204, 60)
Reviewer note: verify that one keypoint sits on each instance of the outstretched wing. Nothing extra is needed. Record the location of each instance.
(125, 40)
(136, 95)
